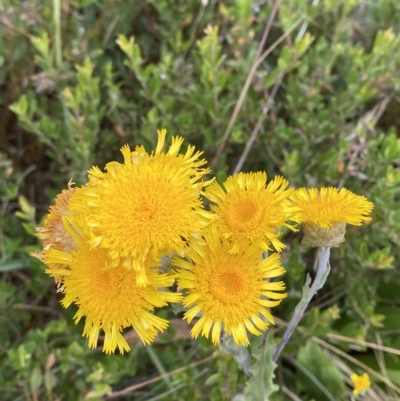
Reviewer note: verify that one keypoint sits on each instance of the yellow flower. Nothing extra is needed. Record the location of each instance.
(250, 209)
(325, 212)
(326, 206)
(360, 383)
(109, 299)
(148, 204)
(53, 233)
(230, 291)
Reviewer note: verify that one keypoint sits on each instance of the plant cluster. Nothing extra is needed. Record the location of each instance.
(104, 243)
(307, 90)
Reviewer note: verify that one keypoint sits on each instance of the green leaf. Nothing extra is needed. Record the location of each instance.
(50, 380)
(125, 44)
(12, 265)
(27, 211)
(261, 385)
(243, 10)
(301, 45)
(270, 79)
(213, 379)
(36, 379)
(42, 43)
(317, 374)
(284, 59)
(29, 229)
(99, 391)
(20, 107)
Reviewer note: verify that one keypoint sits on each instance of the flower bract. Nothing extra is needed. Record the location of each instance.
(230, 291)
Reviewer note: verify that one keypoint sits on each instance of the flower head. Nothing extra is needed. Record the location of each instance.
(53, 233)
(231, 291)
(360, 383)
(148, 204)
(108, 297)
(326, 206)
(325, 212)
(250, 209)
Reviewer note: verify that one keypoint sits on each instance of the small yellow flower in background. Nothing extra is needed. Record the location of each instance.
(333, 312)
(109, 299)
(231, 291)
(360, 383)
(53, 233)
(326, 211)
(250, 209)
(148, 204)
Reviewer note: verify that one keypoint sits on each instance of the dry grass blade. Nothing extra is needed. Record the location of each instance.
(379, 347)
(381, 362)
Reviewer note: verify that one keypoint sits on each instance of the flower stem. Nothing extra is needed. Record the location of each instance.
(308, 294)
(240, 354)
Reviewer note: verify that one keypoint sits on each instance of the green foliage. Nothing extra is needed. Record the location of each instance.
(79, 79)
(42, 365)
(317, 374)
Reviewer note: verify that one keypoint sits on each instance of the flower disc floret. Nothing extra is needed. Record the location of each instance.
(250, 209)
(109, 299)
(231, 291)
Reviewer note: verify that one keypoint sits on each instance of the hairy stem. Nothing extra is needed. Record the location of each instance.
(308, 294)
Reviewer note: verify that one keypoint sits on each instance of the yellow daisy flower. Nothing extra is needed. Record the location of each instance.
(53, 233)
(148, 204)
(231, 291)
(325, 212)
(250, 209)
(361, 383)
(109, 299)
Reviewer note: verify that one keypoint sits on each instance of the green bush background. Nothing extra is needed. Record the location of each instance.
(80, 78)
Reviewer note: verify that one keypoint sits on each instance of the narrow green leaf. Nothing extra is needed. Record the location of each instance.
(12, 265)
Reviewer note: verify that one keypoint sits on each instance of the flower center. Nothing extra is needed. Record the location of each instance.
(229, 284)
(244, 213)
(106, 283)
(245, 210)
(146, 210)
